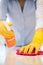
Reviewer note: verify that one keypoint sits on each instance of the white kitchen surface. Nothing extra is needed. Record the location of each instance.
(9, 57)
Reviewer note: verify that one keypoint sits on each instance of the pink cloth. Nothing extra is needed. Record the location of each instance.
(27, 54)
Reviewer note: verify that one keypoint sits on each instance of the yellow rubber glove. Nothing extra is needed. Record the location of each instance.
(7, 34)
(4, 31)
(10, 24)
(36, 43)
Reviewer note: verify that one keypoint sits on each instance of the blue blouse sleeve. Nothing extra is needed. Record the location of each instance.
(3, 9)
(35, 2)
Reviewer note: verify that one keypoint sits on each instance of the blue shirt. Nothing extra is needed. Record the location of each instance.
(23, 22)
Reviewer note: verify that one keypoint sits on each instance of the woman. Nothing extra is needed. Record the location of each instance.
(22, 15)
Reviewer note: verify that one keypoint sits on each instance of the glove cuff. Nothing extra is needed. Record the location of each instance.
(38, 36)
